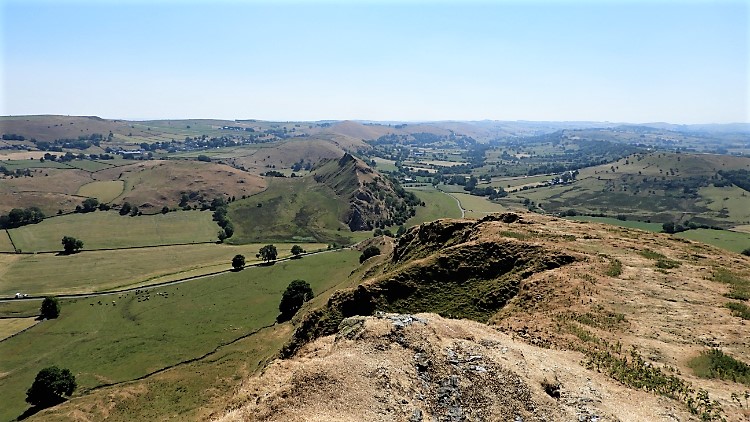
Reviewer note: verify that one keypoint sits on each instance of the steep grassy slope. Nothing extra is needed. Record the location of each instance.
(297, 209)
(373, 200)
(338, 197)
(151, 185)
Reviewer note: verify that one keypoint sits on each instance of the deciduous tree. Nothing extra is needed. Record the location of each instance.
(296, 294)
(238, 262)
(71, 244)
(50, 385)
(50, 308)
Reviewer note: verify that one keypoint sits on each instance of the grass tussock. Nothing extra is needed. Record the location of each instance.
(714, 363)
(667, 264)
(614, 269)
(632, 370)
(739, 310)
(649, 254)
(739, 287)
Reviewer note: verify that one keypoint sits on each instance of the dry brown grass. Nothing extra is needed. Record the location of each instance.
(160, 183)
(668, 315)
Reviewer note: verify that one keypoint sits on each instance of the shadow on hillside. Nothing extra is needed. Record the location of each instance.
(63, 253)
(33, 410)
(266, 264)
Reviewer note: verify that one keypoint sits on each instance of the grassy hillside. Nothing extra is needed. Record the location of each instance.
(437, 205)
(374, 201)
(154, 184)
(121, 337)
(108, 229)
(290, 210)
(660, 187)
(104, 191)
(149, 185)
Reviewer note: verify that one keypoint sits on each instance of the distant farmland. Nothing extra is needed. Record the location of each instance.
(117, 338)
(93, 271)
(101, 230)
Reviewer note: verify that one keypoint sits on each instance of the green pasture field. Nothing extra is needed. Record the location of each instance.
(121, 337)
(290, 210)
(452, 188)
(437, 205)
(417, 167)
(108, 229)
(385, 165)
(95, 271)
(725, 239)
(734, 200)
(116, 162)
(477, 206)
(33, 164)
(20, 309)
(90, 165)
(5, 245)
(511, 182)
(104, 191)
(185, 392)
(10, 326)
(649, 227)
(441, 163)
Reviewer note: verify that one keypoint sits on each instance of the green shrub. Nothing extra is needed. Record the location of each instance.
(615, 268)
(740, 287)
(667, 264)
(714, 363)
(739, 310)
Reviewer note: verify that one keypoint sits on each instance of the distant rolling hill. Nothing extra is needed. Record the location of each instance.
(659, 187)
(337, 197)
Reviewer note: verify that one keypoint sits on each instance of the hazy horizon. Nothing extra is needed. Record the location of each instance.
(555, 61)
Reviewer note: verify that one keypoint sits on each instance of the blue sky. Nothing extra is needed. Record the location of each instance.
(634, 61)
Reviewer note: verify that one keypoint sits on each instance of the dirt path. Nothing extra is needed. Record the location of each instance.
(463, 211)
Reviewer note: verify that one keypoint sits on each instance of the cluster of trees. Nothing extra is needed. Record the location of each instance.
(13, 137)
(740, 177)
(219, 207)
(301, 164)
(671, 227)
(91, 205)
(71, 244)
(18, 217)
(82, 142)
(128, 209)
(470, 186)
(386, 232)
(17, 172)
(368, 253)
(267, 253)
